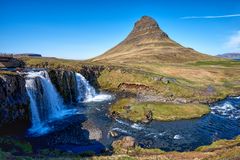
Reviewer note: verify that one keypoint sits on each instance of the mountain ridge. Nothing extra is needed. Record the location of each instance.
(230, 55)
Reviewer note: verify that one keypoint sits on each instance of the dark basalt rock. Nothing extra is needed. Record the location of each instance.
(14, 103)
(148, 117)
(65, 83)
(91, 73)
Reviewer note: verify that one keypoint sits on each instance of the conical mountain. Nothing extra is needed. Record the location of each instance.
(148, 43)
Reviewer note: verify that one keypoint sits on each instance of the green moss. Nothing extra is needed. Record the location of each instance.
(220, 144)
(225, 63)
(136, 111)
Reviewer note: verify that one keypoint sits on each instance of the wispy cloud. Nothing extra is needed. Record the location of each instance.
(212, 17)
(234, 42)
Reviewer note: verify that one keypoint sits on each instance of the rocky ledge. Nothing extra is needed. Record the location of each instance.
(65, 83)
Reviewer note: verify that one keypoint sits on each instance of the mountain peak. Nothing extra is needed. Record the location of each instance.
(147, 43)
(146, 27)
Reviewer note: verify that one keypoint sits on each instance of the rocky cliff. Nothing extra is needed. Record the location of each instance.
(91, 73)
(65, 83)
(14, 102)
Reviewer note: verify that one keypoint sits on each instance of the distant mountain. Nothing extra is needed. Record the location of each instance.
(230, 55)
(147, 43)
(21, 54)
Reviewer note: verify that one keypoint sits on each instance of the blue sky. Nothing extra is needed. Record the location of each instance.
(81, 29)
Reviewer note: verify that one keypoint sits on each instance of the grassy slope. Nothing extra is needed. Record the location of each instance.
(193, 79)
(160, 111)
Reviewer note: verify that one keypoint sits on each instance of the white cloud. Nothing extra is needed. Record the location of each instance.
(234, 41)
(211, 17)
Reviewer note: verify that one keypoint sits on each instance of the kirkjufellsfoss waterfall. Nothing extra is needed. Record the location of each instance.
(47, 105)
(45, 102)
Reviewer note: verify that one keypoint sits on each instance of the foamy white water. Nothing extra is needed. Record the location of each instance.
(87, 93)
(177, 137)
(226, 109)
(45, 103)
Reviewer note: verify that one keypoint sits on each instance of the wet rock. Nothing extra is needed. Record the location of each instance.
(148, 117)
(113, 133)
(94, 133)
(14, 102)
(114, 114)
(146, 143)
(65, 83)
(91, 73)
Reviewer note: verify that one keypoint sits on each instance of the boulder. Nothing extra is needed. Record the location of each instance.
(148, 117)
(113, 133)
(167, 80)
(124, 144)
(94, 133)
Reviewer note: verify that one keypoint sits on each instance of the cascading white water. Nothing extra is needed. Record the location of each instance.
(45, 102)
(86, 92)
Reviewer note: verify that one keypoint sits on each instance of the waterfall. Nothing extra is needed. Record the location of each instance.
(45, 103)
(86, 93)
(85, 90)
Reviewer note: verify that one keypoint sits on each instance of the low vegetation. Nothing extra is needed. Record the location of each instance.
(137, 111)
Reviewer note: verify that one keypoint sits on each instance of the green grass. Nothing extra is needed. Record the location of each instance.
(220, 144)
(7, 73)
(225, 63)
(161, 111)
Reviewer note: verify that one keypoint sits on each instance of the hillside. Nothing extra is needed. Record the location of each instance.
(147, 43)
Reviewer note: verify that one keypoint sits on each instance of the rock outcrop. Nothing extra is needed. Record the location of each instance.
(65, 83)
(10, 62)
(91, 73)
(14, 102)
(124, 145)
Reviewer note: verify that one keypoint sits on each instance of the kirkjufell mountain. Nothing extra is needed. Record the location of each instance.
(147, 42)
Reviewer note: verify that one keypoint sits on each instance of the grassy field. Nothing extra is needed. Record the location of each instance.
(136, 111)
